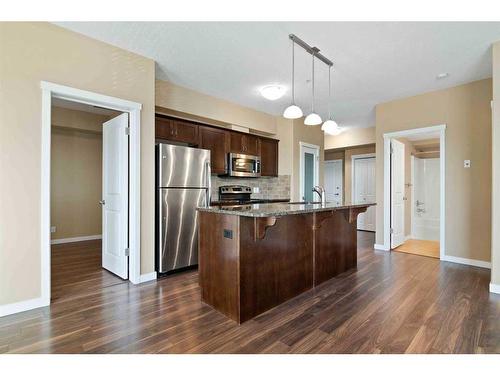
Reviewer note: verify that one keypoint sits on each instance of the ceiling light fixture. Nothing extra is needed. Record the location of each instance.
(293, 111)
(442, 75)
(272, 92)
(313, 118)
(330, 126)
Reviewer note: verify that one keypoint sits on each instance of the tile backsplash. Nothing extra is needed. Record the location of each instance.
(270, 187)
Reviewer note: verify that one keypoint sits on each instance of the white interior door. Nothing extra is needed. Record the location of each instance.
(364, 190)
(334, 181)
(397, 193)
(115, 196)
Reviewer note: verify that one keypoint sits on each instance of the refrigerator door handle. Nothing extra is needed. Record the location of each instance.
(209, 183)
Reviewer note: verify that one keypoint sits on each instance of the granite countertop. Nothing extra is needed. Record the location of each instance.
(278, 209)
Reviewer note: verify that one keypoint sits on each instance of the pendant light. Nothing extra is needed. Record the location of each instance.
(312, 118)
(330, 126)
(293, 111)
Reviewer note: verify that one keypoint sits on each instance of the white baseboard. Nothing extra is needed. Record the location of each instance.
(17, 307)
(76, 239)
(148, 277)
(467, 261)
(495, 288)
(381, 247)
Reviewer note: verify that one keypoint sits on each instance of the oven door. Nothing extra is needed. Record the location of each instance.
(241, 165)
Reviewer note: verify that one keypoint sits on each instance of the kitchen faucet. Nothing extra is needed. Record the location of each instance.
(321, 192)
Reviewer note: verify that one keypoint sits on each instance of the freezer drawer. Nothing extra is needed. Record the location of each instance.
(177, 227)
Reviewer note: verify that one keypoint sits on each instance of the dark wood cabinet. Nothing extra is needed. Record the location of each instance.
(176, 130)
(183, 131)
(217, 141)
(244, 143)
(163, 128)
(220, 142)
(269, 156)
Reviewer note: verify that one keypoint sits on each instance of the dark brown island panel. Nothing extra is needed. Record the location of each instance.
(253, 260)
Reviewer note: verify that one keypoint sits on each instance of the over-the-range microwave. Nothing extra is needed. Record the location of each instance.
(241, 165)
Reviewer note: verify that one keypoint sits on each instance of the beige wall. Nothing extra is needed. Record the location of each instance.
(495, 250)
(466, 112)
(351, 138)
(308, 134)
(76, 173)
(30, 53)
(284, 132)
(181, 100)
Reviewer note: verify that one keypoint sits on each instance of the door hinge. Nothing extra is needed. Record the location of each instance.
(392, 231)
(127, 252)
(127, 131)
(392, 149)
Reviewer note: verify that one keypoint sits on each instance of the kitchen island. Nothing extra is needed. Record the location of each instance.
(255, 257)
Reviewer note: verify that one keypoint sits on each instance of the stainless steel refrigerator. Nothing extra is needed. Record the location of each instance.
(182, 185)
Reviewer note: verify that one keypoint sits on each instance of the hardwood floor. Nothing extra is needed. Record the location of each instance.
(392, 303)
(76, 270)
(420, 247)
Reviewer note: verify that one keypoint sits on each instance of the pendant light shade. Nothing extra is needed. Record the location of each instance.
(293, 111)
(313, 118)
(330, 126)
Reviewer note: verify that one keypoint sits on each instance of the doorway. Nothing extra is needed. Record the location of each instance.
(363, 189)
(122, 223)
(414, 203)
(309, 170)
(334, 181)
(89, 198)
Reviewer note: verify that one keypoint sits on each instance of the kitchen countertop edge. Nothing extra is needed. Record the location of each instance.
(285, 209)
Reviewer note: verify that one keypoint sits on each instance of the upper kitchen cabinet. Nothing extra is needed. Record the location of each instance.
(217, 141)
(185, 132)
(176, 130)
(269, 156)
(244, 144)
(163, 128)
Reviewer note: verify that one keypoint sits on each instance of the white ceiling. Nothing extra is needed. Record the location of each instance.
(374, 62)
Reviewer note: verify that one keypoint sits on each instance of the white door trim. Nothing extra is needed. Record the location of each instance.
(52, 90)
(387, 182)
(412, 192)
(353, 182)
(301, 166)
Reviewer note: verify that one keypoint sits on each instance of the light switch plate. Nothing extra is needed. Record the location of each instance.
(466, 163)
(256, 190)
(52, 229)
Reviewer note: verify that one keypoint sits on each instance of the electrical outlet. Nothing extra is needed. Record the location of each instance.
(466, 163)
(256, 190)
(53, 229)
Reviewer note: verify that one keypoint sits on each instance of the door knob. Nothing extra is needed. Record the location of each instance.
(102, 202)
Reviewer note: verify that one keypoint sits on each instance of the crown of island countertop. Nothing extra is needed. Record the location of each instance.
(279, 209)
